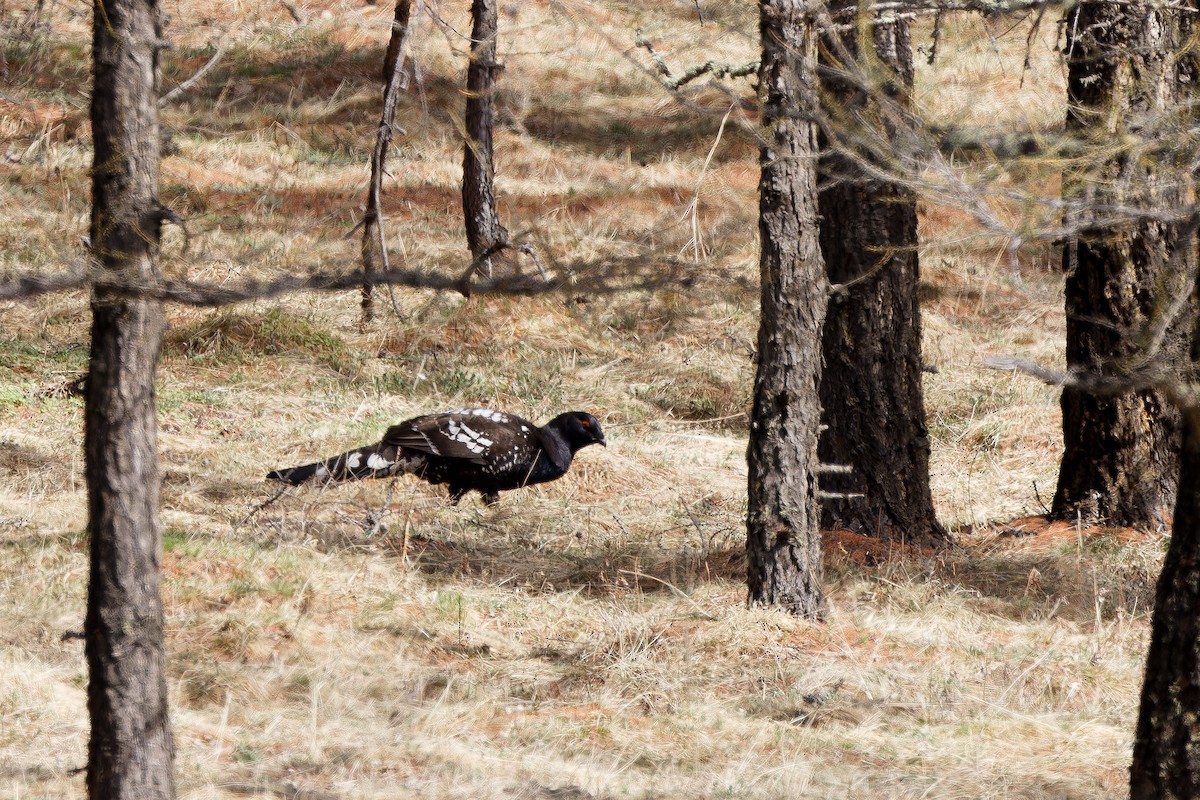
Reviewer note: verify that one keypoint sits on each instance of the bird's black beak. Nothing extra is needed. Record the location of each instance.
(602, 441)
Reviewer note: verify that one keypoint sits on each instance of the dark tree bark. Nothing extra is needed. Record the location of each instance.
(484, 230)
(1166, 750)
(783, 542)
(1120, 455)
(130, 753)
(871, 390)
(373, 249)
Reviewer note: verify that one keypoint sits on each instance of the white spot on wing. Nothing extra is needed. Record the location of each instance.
(487, 413)
(376, 461)
(353, 461)
(429, 444)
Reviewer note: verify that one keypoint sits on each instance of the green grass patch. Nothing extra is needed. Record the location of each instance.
(234, 337)
(23, 355)
(13, 395)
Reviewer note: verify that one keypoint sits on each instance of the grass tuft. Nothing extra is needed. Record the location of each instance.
(237, 338)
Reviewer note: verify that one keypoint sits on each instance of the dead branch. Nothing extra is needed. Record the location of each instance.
(373, 240)
(605, 276)
(196, 76)
(1152, 376)
(463, 285)
(530, 251)
(25, 286)
(718, 69)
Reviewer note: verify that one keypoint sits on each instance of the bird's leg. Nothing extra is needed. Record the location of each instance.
(456, 494)
(490, 498)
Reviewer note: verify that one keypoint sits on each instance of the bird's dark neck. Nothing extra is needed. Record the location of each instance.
(548, 467)
(558, 452)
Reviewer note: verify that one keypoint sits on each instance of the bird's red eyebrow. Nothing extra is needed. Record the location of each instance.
(585, 423)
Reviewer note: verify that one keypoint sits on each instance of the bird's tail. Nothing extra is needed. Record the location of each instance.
(373, 461)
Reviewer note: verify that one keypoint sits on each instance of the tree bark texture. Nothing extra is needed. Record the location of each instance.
(130, 752)
(373, 248)
(1120, 456)
(484, 228)
(1166, 750)
(479, 198)
(783, 542)
(871, 389)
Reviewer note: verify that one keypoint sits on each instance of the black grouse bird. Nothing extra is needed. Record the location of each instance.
(470, 448)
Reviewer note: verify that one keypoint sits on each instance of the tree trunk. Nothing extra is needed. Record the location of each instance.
(1166, 750)
(479, 199)
(871, 390)
(1121, 452)
(373, 248)
(783, 542)
(130, 753)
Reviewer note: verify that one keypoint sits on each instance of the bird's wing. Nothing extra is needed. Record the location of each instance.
(470, 435)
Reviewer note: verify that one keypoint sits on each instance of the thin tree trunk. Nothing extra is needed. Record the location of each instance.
(871, 389)
(130, 753)
(373, 248)
(484, 230)
(783, 542)
(1120, 455)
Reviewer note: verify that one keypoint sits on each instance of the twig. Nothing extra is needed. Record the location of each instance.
(529, 250)
(404, 543)
(614, 278)
(707, 421)
(823, 495)
(295, 12)
(692, 517)
(693, 207)
(1041, 503)
(718, 69)
(261, 506)
(463, 284)
(659, 63)
(200, 73)
(1151, 376)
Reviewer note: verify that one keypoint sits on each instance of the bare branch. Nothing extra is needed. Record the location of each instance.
(718, 69)
(605, 276)
(373, 240)
(530, 251)
(823, 495)
(1185, 395)
(195, 78)
(25, 286)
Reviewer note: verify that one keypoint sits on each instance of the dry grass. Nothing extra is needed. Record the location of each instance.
(587, 639)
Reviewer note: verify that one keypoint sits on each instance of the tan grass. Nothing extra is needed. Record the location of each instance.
(585, 639)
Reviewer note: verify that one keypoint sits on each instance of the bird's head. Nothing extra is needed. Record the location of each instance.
(580, 429)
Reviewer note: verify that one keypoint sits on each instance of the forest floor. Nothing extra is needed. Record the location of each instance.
(588, 638)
